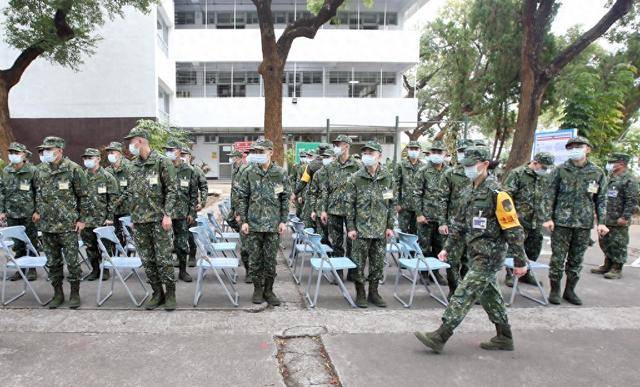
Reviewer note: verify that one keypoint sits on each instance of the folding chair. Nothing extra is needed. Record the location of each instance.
(415, 262)
(226, 249)
(207, 260)
(225, 236)
(321, 263)
(303, 248)
(127, 230)
(83, 258)
(32, 261)
(393, 251)
(510, 264)
(117, 262)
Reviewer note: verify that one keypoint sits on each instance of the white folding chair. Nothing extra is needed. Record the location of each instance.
(415, 262)
(32, 261)
(116, 263)
(303, 249)
(533, 266)
(393, 251)
(127, 230)
(321, 263)
(208, 260)
(83, 258)
(226, 249)
(225, 236)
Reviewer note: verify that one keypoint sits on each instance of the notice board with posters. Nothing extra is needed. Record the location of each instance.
(242, 146)
(554, 142)
(304, 146)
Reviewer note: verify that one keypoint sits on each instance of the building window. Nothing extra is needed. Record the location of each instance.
(290, 92)
(184, 18)
(362, 91)
(183, 94)
(253, 78)
(312, 77)
(163, 34)
(184, 77)
(388, 78)
(338, 77)
(210, 139)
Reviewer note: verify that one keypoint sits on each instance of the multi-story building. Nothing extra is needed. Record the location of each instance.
(199, 72)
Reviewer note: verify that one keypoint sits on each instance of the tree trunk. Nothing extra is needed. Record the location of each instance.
(271, 72)
(6, 133)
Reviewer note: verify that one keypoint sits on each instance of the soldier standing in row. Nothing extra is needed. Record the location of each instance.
(528, 185)
(370, 222)
(235, 185)
(61, 211)
(152, 193)
(622, 199)
(119, 168)
(18, 200)
(486, 220)
(314, 195)
(102, 195)
(263, 204)
(407, 182)
(203, 194)
(577, 191)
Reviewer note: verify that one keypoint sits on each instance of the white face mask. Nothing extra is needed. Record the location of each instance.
(134, 150)
(460, 157)
(113, 158)
(89, 163)
(413, 154)
(577, 153)
(326, 162)
(49, 156)
(447, 159)
(337, 150)
(41, 157)
(171, 155)
(15, 159)
(541, 172)
(436, 159)
(260, 158)
(609, 167)
(368, 160)
(471, 172)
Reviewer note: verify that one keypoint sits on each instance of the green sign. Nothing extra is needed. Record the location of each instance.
(304, 146)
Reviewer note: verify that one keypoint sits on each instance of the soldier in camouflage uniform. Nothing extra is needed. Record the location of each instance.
(201, 201)
(263, 204)
(406, 178)
(183, 214)
(102, 196)
(303, 185)
(622, 199)
(334, 202)
(314, 195)
(119, 168)
(577, 191)
(61, 211)
(235, 184)
(528, 185)
(487, 219)
(294, 177)
(370, 221)
(426, 195)
(18, 199)
(449, 198)
(153, 195)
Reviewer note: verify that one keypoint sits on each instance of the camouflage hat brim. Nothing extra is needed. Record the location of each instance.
(372, 147)
(17, 149)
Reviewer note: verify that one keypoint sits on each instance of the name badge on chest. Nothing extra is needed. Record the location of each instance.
(63, 185)
(123, 183)
(612, 193)
(278, 189)
(480, 222)
(24, 186)
(593, 187)
(102, 190)
(153, 180)
(388, 194)
(184, 183)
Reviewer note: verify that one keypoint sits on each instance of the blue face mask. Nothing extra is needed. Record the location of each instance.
(368, 160)
(436, 159)
(259, 158)
(471, 172)
(413, 154)
(577, 153)
(48, 156)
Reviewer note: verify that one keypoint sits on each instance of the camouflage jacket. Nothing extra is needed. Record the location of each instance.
(102, 196)
(152, 188)
(263, 198)
(122, 205)
(622, 197)
(449, 197)
(235, 185)
(61, 198)
(477, 226)
(575, 194)
(334, 195)
(310, 169)
(428, 194)
(406, 177)
(313, 198)
(186, 192)
(18, 191)
(202, 185)
(528, 191)
(371, 203)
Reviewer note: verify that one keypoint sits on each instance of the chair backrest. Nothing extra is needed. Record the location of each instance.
(108, 233)
(409, 242)
(201, 238)
(315, 241)
(19, 233)
(224, 211)
(214, 222)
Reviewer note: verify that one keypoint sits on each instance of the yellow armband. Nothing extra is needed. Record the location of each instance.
(305, 176)
(506, 212)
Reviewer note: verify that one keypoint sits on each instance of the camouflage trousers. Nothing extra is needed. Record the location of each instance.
(244, 253)
(533, 239)
(263, 250)
(478, 284)
(55, 245)
(407, 221)
(372, 250)
(459, 263)
(323, 230)
(90, 240)
(431, 241)
(568, 245)
(154, 246)
(19, 248)
(614, 244)
(180, 239)
(120, 229)
(337, 236)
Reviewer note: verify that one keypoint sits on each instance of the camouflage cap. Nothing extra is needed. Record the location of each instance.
(373, 145)
(578, 140)
(328, 153)
(343, 138)
(414, 144)
(303, 153)
(235, 153)
(263, 144)
(17, 147)
(52, 142)
(91, 152)
(474, 154)
(357, 156)
(438, 145)
(172, 143)
(619, 156)
(185, 150)
(544, 158)
(464, 143)
(480, 143)
(137, 132)
(114, 146)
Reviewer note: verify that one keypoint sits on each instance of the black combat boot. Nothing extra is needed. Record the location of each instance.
(268, 294)
(32, 274)
(247, 277)
(258, 292)
(182, 271)
(569, 292)
(95, 270)
(74, 296)
(361, 295)
(502, 341)
(170, 297)
(436, 339)
(604, 268)
(554, 294)
(58, 296)
(16, 276)
(508, 279)
(156, 299)
(374, 296)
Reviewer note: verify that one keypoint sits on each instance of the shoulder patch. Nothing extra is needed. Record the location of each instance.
(506, 212)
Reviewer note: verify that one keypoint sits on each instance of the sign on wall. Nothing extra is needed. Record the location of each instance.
(554, 142)
(304, 146)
